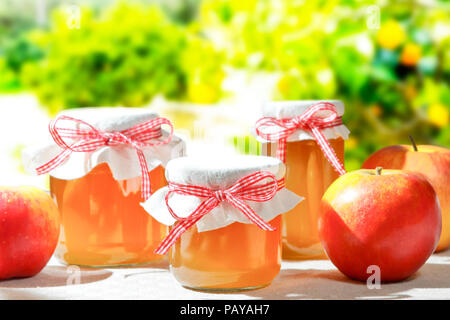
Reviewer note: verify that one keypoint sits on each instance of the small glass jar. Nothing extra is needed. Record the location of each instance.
(237, 257)
(102, 221)
(224, 250)
(99, 192)
(308, 174)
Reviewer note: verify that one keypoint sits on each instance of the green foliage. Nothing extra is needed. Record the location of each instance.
(202, 65)
(394, 80)
(246, 145)
(125, 56)
(14, 47)
(20, 51)
(9, 81)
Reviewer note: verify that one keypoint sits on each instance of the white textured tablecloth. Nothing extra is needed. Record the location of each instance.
(316, 279)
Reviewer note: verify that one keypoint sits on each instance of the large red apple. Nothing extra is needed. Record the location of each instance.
(29, 230)
(431, 161)
(389, 218)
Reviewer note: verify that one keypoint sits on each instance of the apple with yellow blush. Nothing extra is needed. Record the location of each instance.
(29, 231)
(431, 161)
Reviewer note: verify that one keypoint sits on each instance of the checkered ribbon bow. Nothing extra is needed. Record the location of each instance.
(246, 188)
(319, 116)
(88, 139)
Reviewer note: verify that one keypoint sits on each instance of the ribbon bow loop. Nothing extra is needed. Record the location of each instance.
(247, 188)
(321, 115)
(86, 138)
(273, 129)
(84, 132)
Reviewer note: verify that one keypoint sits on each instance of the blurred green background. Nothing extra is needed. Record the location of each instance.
(389, 61)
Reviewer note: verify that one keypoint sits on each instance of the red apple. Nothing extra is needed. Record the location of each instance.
(387, 218)
(29, 230)
(431, 161)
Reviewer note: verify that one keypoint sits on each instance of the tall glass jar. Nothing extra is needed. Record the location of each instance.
(308, 174)
(99, 190)
(223, 250)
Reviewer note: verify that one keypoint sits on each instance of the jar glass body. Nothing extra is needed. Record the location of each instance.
(237, 257)
(102, 221)
(308, 174)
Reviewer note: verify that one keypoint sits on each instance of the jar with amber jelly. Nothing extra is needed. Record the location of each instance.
(99, 160)
(298, 133)
(215, 243)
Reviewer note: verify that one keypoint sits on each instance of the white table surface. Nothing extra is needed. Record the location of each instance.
(315, 279)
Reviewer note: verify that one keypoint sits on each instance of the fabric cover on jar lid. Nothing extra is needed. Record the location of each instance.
(218, 173)
(122, 159)
(294, 108)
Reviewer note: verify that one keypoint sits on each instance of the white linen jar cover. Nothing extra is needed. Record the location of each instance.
(122, 159)
(218, 173)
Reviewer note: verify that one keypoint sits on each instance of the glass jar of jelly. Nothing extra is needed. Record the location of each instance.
(223, 250)
(308, 171)
(99, 191)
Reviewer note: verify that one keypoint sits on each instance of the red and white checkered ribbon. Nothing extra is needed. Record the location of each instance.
(89, 139)
(246, 188)
(319, 116)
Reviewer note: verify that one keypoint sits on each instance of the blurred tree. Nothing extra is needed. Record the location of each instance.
(16, 18)
(394, 78)
(124, 56)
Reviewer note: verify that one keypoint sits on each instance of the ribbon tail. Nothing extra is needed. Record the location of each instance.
(55, 162)
(80, 146)
(328, 151)
(281, 150)
(174, 234)
(249, 213)
(184, 224)
(146, 186)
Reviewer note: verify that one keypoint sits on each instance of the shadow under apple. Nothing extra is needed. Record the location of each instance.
(57, 276)
(332, 284)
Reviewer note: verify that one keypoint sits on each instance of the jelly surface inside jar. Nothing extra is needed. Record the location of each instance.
(237, 257)
(308, 174)
(103, 223)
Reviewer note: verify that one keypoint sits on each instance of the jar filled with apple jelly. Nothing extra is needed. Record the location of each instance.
(224, 214)
(308, 136)
(103, 163)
